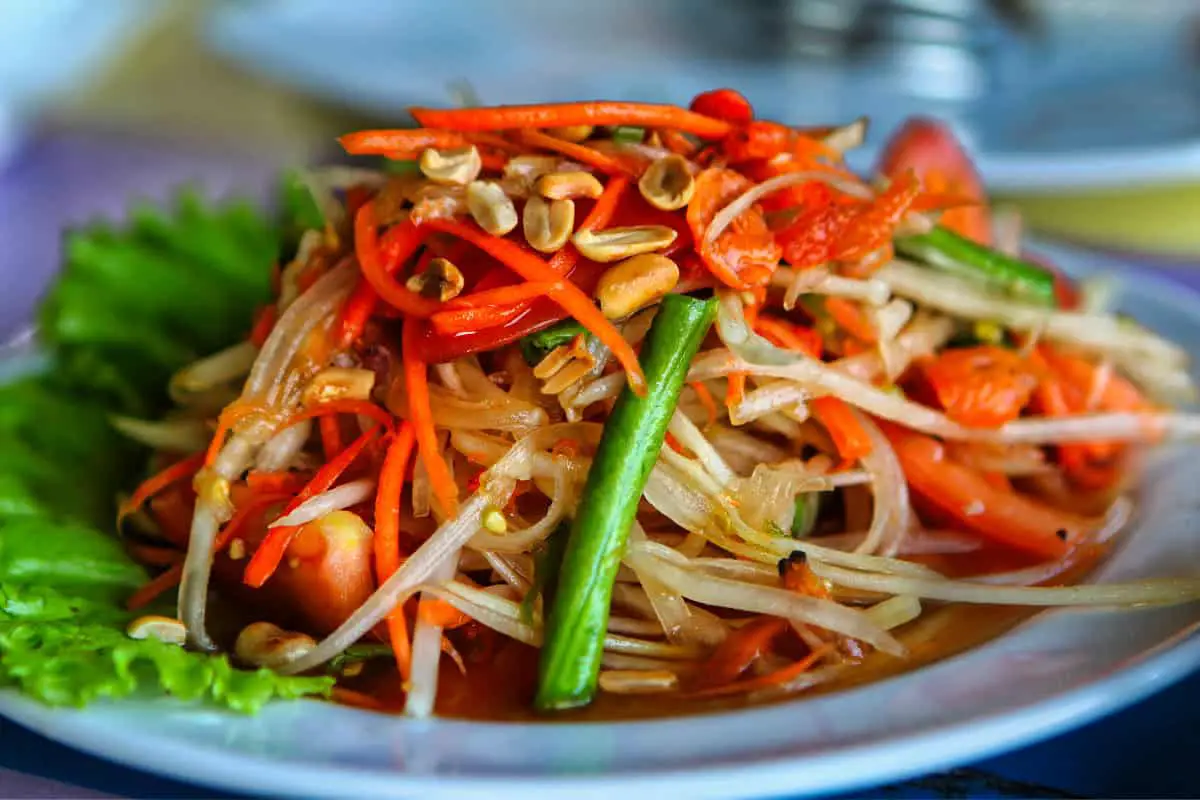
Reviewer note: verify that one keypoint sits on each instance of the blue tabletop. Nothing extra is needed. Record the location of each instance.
(1146, 751)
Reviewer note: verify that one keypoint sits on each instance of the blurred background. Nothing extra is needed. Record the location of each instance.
(1084, 113)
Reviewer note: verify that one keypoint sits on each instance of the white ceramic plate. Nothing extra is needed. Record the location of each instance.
(1060, 670)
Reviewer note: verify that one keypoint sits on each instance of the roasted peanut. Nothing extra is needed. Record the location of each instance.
(567, 376)
(548, 225)
(491, 207)
(531, 167)
(562, 185)
(614, 244)
(559, 357)
(571, 133)
(433, 201)
(668, 183)
(266, 645)
(635, 283)
(339, 383)
(441, 280)
(459, 165)
(164, 629)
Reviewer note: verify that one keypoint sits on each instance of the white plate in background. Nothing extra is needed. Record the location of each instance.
(1110, 95)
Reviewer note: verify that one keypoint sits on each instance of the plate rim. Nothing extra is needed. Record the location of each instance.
(1151, 671)
(849, 767)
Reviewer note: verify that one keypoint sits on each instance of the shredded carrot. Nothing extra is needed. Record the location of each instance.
(225, 422)
(853, 319)
(570, 297)
(331, 436)
(179, 471)
(359, 308)
(852, 441)
(150, 591)
(365, 408)
(404, 143)
(489, 308)
(606, 204)
(738, 651)
(588, 156)
(264, 323)
(282, 481)
(776, 678)
(378, 259)
(706, 399)
(416, 383)
(270, 551)
(168, 579)
(392, 477)
(554, 115)
(435, 611)
(503, 295)
(387, 536)
(789, 335)
(677, 143)
(242, 516)
(735, 388)
(457, 321)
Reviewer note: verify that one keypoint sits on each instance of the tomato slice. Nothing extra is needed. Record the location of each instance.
(930, 150)
(726, 104)
(983, 386)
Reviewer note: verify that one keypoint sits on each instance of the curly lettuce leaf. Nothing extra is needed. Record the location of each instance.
(131, 306)
(66, 650)
(148, 299)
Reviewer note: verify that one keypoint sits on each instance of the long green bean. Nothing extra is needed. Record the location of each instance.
(948, 251)
(633, 436)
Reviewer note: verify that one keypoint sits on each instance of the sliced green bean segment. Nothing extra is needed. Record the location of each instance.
(628, 134)
(634, 434)
(946, 250)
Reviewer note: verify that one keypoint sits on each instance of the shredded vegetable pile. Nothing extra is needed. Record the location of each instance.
(670, 394)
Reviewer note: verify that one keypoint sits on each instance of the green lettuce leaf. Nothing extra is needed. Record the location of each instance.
(66, 650)
(130, 307)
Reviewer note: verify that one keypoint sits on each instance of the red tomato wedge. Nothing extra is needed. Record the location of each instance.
(932, 152)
